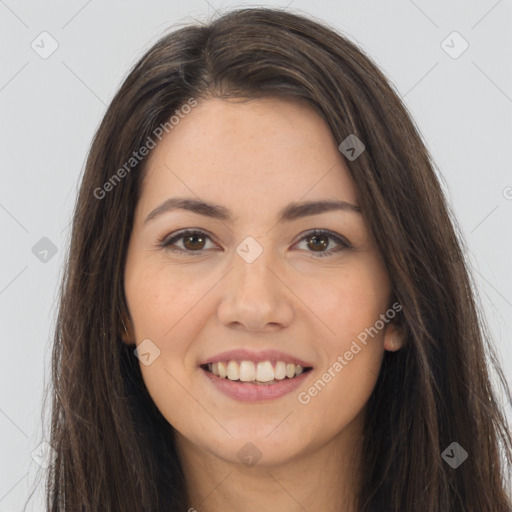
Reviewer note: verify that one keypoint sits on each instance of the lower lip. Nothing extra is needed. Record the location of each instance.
(254, 392)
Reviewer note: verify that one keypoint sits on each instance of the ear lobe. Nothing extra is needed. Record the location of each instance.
(393, 338)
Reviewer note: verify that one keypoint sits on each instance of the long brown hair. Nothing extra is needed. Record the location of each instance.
(114, 449)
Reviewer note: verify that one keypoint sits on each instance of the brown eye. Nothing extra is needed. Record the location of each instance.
(187, 242)
(194, 242)
(318, 242)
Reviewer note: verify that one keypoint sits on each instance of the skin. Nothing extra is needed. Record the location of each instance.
(254, 158)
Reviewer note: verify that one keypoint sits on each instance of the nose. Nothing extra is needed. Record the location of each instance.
(255, 296)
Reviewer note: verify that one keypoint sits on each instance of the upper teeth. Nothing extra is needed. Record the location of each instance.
(248, 371)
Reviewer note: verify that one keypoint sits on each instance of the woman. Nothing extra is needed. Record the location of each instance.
(266, 304)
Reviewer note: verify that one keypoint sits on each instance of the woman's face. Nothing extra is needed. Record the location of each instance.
(252, 284)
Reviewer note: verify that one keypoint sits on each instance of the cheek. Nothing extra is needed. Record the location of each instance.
(155, 308)
(352, 303)
(352, 300)
(160, 315)
(351, 362)
(167, 306)
(160, 299)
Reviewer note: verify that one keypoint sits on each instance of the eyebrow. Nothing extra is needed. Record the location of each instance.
(289, 213)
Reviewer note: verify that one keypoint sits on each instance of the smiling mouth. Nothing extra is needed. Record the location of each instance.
(263, 373)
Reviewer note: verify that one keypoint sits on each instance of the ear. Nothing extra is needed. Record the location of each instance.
(393, 337)
(126, 330)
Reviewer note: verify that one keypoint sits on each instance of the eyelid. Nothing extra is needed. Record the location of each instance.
(321, 231)
(340, 240)
(165, 241)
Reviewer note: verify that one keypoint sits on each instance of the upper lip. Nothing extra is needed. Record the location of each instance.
(261, 355)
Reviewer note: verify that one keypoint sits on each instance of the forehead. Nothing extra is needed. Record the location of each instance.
(247, 154)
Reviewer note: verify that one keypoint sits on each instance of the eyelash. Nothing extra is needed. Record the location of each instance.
(167, 242)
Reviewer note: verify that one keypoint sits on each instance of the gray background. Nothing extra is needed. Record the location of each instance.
(50, 109)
